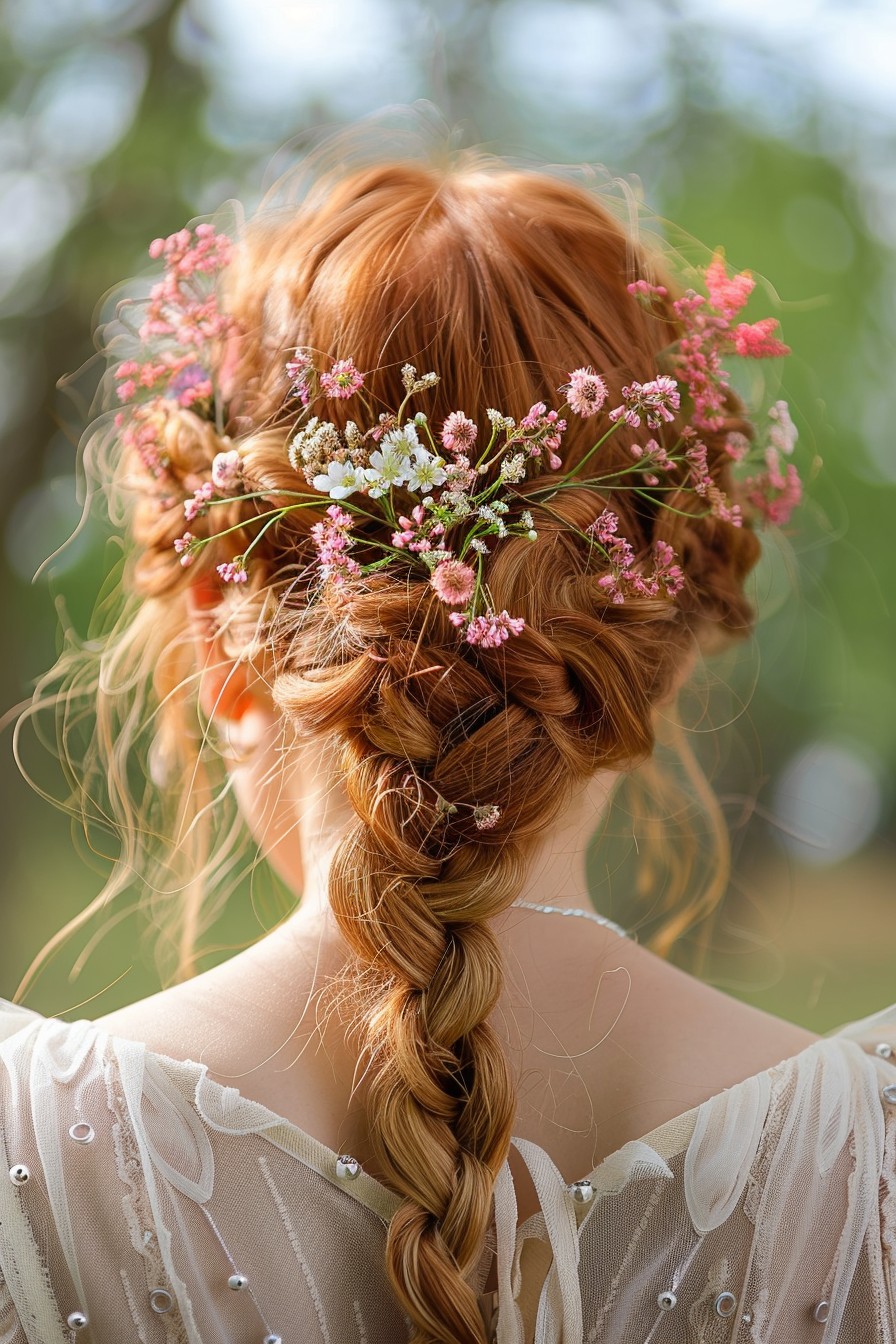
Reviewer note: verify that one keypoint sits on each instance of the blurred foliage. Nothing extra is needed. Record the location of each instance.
(121, 120)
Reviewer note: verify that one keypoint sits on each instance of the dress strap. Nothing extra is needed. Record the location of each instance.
(562, 1228)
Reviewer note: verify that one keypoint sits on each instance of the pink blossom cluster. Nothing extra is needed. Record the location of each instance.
(708, 334)
(183, 547)
(333, 545)
(416, 532)
(183, 380)
(233, 571)
(141, 431)
(657, 401)
(180, 324)
(341, 381)
(177, 306)
(656, 455)
(298, 370)
(490, 630)
(776, 491)
(623, 577)
(720, 505)
(198, 502)
(542, 431)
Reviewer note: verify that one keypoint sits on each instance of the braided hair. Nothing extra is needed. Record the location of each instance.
(502, 280)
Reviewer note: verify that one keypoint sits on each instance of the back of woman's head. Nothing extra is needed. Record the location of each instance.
(454, 755)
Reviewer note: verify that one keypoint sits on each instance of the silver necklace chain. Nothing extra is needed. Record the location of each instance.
(585, 914)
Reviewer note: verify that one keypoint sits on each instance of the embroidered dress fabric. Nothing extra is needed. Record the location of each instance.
(165, 1207)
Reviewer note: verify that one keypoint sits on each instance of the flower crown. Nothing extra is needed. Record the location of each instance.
(460, 479)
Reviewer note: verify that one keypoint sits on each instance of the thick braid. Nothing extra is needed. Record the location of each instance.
(424, 723)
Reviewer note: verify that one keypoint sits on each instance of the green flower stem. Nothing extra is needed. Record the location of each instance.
(600, 443)
(488, 447)
(265, 494)
(270, 523)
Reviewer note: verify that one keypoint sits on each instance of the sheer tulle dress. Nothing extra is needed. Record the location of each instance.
(147, 1202)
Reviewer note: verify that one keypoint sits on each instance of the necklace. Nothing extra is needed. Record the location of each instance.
(585, 914)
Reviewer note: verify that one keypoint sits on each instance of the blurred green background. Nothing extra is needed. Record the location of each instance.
(768, 128)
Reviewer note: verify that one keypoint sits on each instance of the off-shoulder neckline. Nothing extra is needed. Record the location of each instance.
(666, 1140)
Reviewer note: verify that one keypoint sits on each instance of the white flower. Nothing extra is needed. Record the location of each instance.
(513, 467)
(402, 441)
(388, 467)
(426, 472)
(783, 433)
(342, 479)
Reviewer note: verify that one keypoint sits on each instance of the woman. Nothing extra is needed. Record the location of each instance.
(431, 621)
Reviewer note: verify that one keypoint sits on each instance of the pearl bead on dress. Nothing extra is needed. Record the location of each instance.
(77, 1321)
(884, 1049)
(161, 1301)
(889, 1093)
(237, 1282)
(667, 1300)
(822, 1310)
(81, 1132)
(725, 1304)
(347, 1167)
(19, 1174)
(581, 1191)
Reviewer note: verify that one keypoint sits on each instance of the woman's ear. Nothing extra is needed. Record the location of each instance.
(228, 690)
(237, 701)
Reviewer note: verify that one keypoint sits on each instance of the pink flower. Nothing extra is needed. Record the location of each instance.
(297, 370)
(126, 389)
(342, 381)
(586, 392)
(737, 445)
(333, 544)
(196, 506)
(657, 401)
(189, 385)
(543, 431)
(643, 289)
(666, 572)
(604, 526)
(453, 581)
(233, 571)
(226, 470)
(726, 295)
(184, 548)
(774, 493)
(417, 531)
(490, 630)
(486, 816)
(458, 433)
(754, 340)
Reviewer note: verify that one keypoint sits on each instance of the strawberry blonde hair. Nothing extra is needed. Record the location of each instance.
(502, 280)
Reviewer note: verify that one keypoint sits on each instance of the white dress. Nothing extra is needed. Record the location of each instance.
(146, 1202)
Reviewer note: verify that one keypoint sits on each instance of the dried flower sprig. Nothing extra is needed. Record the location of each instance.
(180, 335)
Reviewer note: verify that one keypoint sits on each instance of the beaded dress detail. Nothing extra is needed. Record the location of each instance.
(147, 1202)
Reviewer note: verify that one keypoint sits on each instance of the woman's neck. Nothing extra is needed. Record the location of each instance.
(555, 871)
